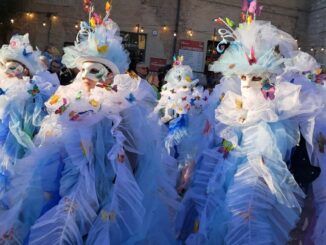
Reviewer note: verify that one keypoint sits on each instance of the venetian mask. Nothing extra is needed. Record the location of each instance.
(14, 69)
(252, 80)
(95, 72)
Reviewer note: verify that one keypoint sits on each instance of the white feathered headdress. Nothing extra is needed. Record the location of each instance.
(98, 41)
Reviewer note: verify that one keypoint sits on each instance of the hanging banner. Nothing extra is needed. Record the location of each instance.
(193, 53)
(156, 63)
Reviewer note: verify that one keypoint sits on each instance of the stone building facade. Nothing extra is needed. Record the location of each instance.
(315, 32)
(55, 22)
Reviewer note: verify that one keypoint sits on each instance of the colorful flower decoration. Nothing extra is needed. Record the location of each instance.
(252, 59)
(94, 103)
(87, 5)
(102, 49)
(108, 216)
(62, 108)
(250, 8)
(131, 98)
(222, 97)
(54, 99)
(2, 92)
(188, 79)
(82, 147)
(315, 76)
(133, 75)
(108, 87)
(226, 148)
(34, 91)
(238, 104)
(178, 60)
(74, 116)
(107, 7)
(196, 226)
(268, 90)
(121, 157)
(79, 95)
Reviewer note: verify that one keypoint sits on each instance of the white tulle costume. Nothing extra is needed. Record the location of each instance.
(303, 69)
(242, 191)
(22, 96)
(96, 177)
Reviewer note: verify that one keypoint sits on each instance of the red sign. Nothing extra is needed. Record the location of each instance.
(192, 45)
(156, 63)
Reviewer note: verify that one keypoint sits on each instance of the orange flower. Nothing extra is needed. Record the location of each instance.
(54, 99)
(107, 6)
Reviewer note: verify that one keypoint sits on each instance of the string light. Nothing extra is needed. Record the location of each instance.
(12, 21)
(190, 33)
(44, 24)
(322, 49)
(174, 34)
(54, 17)
(312, 49)
(30, 15)
(141, 29)
(137, 28)
(76, 26)
(165, 28)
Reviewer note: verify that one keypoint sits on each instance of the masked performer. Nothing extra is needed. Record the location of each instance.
(183, 107)
(22, 96)
(96, 177)
(250, 196)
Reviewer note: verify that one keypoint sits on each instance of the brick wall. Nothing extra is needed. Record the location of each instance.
(316, 30)
(304, 19)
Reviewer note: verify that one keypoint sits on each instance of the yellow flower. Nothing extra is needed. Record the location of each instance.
(238, 104)
(106, 216)
(222, 97)
(188, 79)
(92, 22)
(83, 148)
(196, 226)
(93, 103)
(318, 71)
(102, 49)
(54, 99)
(249, 19)
(180, 110)
(133, 75)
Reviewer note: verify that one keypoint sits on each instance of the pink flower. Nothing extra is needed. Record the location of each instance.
(14, 44)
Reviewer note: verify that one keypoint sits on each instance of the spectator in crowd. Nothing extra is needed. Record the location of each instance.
(67, 75)
(142, 71)
(55, 66)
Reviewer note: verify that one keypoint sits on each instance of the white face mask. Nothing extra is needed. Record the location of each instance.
(94, 71)
(14, 69)
(248, 81)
